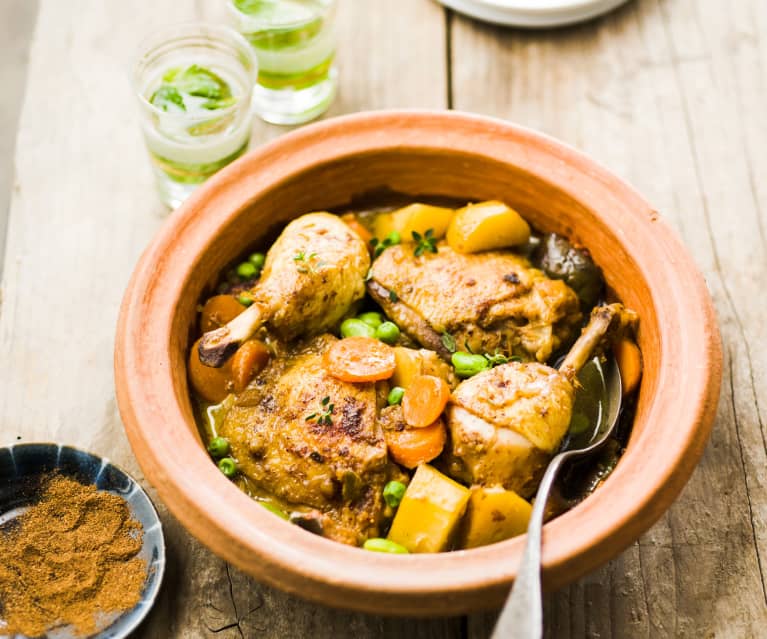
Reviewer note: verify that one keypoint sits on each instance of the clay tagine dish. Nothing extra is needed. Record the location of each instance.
(328, 166)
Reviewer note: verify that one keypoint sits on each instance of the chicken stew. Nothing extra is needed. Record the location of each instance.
(398, 378)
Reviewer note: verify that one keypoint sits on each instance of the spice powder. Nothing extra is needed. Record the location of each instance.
(71, 556)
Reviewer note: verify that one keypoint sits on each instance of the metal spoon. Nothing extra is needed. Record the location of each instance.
(522, 616)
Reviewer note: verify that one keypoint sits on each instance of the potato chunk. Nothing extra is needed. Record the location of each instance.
(429, 512)
(493, 514)
(486, 226)
(414, 217)
(411, 363)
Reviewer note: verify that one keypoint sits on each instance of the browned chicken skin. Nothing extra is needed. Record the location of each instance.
(491, 301)
(338, 466)
(313, 273)
(507, 422)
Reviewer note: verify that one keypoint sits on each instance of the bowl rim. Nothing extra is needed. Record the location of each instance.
(328, 572)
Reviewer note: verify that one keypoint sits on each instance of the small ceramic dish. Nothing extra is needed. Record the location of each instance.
(330, 166)
(21, 464)
(533, 14)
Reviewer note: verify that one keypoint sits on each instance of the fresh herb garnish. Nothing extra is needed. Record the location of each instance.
(223, 103)
(496, 359)
(168, 98)
(192, 81)
(324, 415)
(393, 297)
(250, 6)
(448, 341)
(304, 264)
(425, 243)
(201, 82)
(379, 246)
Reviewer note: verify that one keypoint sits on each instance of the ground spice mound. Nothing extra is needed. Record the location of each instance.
(71, 556)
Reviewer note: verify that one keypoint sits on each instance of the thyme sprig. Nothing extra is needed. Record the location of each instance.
(379, 246)
(306, 263)
(425, 243)
(324, 415)
(498, 358)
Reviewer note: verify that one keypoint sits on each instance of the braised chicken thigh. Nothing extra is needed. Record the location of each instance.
(489, 302)
(330, 456)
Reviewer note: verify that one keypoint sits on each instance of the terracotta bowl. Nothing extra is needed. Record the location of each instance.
(451, 154)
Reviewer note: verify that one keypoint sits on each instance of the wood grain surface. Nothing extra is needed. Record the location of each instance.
(670, 94)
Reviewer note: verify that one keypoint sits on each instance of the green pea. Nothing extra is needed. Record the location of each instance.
(245, 300)
(371, 318)
(257, 260)
(395, 395)
(227, 466)
(388, 332)
(468, 364)
(246, 270)
(393, 238)
(355, 328)
(376, 544)
(218, 447)
(393, 493)
(274, 509)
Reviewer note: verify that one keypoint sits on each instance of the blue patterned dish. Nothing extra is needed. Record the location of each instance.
(23, 462)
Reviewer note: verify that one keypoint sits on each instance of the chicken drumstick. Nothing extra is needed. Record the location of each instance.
(313, 273)
(507, 422)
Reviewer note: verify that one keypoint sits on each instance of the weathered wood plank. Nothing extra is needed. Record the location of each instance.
(672, 96)
(84, 209)
(17, 20)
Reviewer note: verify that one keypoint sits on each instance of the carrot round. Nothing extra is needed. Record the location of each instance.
(247, 362)
(360, 359)
(629, 363)
(424, 400)
(219, 310)
(413, 446)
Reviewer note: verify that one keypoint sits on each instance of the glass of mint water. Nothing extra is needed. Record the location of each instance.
(194, 84)
(294, 42)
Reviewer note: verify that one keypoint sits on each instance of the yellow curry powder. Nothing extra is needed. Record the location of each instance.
(71, 556)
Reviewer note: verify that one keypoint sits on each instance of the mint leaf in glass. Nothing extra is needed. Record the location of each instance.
(251, 6)
(212, 105)
(168, 99)
(201, 82)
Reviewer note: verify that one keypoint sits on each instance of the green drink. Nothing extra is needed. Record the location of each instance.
(195, 86)
(295, 46)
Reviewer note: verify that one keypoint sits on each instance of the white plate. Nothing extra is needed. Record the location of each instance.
(533, 13)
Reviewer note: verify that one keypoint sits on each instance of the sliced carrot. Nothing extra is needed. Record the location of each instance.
(413, 446)
(629, 363)
(360, 359)
(355, 225)
(219, 310)
(213, 384)
(424, 400)
(247, 362)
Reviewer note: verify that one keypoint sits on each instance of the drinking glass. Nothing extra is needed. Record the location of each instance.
(294, 41)
(194, 84)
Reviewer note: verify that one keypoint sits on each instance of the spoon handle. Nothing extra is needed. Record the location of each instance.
(522, 615)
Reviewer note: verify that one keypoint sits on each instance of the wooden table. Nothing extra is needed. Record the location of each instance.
(670, 94)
